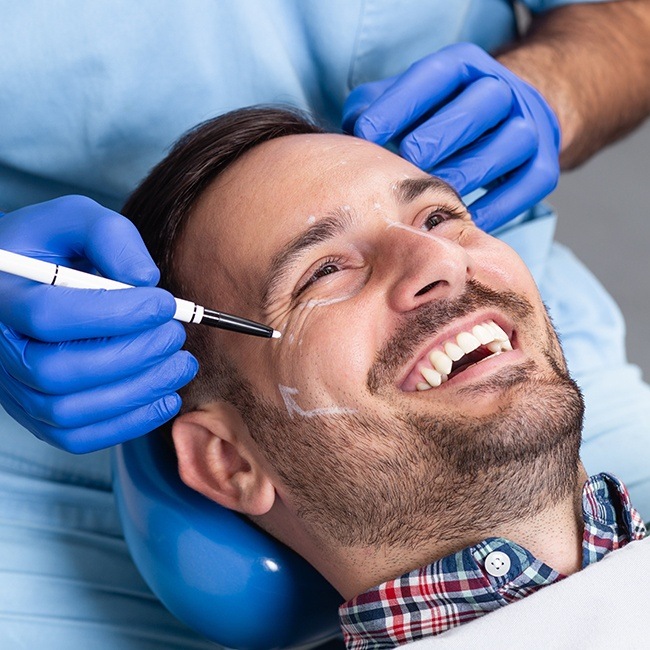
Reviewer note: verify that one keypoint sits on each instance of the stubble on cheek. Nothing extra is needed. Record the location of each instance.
(362, 479)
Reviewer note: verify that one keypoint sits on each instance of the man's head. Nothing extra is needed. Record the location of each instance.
(377, 278)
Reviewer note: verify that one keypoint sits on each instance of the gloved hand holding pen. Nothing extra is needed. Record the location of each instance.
(461, 115)
(87, 369)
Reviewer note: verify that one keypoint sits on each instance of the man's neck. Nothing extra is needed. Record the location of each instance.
(554, 536)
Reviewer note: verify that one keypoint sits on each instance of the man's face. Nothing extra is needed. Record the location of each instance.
(378, 400)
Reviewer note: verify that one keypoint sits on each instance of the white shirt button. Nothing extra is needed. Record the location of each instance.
(497, 564)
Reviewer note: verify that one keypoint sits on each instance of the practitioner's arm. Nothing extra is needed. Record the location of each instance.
(592, 64)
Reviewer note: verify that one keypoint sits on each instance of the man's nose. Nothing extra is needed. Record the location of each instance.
(424, 267)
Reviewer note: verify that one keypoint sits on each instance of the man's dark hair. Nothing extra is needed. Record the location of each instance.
(162, 205)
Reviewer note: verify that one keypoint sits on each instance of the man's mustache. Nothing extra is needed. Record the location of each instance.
(431, 318)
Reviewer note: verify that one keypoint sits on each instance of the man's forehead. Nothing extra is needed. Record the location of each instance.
(284, 182)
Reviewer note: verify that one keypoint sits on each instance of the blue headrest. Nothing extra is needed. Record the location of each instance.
(212, 568)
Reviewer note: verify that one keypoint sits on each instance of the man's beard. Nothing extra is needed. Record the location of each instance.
(364, 480)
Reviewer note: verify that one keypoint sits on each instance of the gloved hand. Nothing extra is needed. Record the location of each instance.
(460, 115)
(87, 369)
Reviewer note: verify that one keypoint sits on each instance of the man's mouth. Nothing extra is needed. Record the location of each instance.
(456, 354)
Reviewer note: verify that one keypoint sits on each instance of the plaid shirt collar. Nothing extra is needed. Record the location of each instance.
(472, 582)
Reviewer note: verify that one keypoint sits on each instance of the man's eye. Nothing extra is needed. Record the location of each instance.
(327, 267)
(437, 216)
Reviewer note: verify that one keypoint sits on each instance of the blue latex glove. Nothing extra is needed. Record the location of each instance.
(464, 117)
(87, 369)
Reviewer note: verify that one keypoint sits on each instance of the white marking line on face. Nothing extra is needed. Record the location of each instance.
(324, 302)
(292, 407)
(311, 219)
(309, 305)
(411, 229)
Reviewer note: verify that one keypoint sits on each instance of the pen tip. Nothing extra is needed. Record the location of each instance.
(276, 334)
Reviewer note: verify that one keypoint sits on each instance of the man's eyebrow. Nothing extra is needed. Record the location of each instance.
(409, 189)
(330, 226)
(335, 223)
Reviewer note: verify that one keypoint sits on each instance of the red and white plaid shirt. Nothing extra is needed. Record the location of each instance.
(472, 582)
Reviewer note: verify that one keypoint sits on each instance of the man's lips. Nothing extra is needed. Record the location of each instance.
(457, 349)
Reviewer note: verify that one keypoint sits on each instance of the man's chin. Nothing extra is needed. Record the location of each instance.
(478, 398)
(502, 383)
(518, 414)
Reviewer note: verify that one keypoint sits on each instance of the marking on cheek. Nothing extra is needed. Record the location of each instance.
(311, 219)
(324, 302)
(287, 393)
(304, 309)
(297, 323)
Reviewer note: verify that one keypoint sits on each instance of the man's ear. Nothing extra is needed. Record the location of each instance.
(215, 458)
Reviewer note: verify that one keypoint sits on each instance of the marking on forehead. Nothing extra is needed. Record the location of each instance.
(287, 393)
(330, 226)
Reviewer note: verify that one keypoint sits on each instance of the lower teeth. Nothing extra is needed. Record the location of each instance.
(495, 347)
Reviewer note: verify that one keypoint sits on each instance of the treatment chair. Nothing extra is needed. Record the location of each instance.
(211, 567)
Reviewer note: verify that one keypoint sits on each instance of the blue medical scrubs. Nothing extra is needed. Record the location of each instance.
(92, 94)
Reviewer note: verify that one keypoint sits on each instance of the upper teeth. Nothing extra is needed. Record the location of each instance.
(441, 359)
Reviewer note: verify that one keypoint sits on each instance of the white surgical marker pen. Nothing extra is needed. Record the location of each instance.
(186, 311)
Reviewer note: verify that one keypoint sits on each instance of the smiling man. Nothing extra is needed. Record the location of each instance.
(415, 432)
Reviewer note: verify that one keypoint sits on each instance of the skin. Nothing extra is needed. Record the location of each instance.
(394, 259)
(591, 62)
